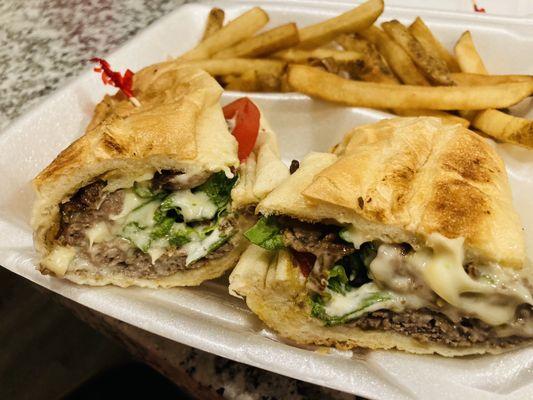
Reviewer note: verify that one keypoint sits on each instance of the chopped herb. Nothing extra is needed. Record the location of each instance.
(348, 276)
(162, 228)
(180, 234)
(218, 243)
(218, 188)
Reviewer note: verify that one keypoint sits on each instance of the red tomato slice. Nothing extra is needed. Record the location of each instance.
(246, 128)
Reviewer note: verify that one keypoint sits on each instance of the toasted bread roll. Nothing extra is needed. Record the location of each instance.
(403, 237)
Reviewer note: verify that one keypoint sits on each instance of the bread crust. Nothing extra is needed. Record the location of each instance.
(174, 128)
(402, 179)
(179, 126)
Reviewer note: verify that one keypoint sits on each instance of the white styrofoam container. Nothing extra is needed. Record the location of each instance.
(208, 318)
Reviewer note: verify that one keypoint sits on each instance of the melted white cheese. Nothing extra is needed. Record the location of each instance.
(99, 233)
(139, 237)
(354, 235)
(443, 269)
(143, 216)
(136, 220)
(128, 182)
(194, 206)
(157, 249)
(198, 249)
(131, 202)
(59, 260)
(342, 304)
(440, 266)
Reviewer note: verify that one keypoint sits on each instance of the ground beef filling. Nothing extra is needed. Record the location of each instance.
(428, 326)
(91, 205)
(424, 325)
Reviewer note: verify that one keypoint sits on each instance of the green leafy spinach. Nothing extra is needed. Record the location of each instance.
(349, 274)
(266, 233)
(218, 188)
(318, 308)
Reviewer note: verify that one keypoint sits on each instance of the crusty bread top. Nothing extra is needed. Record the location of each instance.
(179, 126)
(175, 104)
(422, 176)
(287, 199)
(405, 178)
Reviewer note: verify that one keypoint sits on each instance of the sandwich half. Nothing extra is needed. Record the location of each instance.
(404, 237)
(152, 195)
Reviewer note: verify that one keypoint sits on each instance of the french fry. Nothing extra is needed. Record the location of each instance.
(279, 38)
(238, 83)
(252, 81)
(431, 44)
(354, 42)
(378, 73)
(239, 66)
(434, 68)
(327, 64)
(299, 56)
(505, 127)
(374, 68)
(469, 61)
(269, 82)
(467, 56)
(235, 31)
(434, 49)
(317, 83)
(494, 123)
(215, 21)
(351, 21)
(398, 60)
(247, 82)
(466, 79)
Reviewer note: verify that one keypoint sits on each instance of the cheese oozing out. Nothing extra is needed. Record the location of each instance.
(136, 222)
(197, 249)
(59, 260)
(193, 206)
(340, 305)
(434, 276)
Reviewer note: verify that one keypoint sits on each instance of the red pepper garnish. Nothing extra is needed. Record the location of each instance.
(110, 77)
(477, 8)
(246, 128)
(305, 261)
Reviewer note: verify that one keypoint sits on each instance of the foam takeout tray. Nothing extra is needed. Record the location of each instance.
(208, 318)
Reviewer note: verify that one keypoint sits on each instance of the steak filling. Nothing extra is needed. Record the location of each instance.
(173, 222)
(429, 326)
(376, 286)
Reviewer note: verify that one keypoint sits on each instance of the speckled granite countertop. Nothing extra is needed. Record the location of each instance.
(43, 43)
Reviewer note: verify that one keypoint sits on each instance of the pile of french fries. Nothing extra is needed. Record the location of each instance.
(350, 60)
